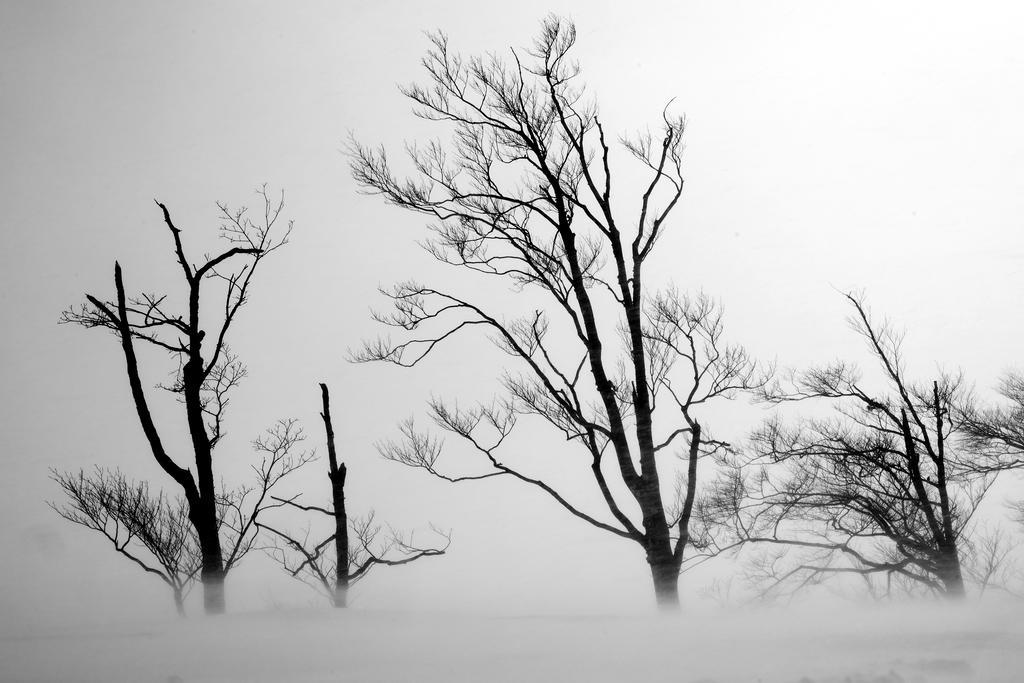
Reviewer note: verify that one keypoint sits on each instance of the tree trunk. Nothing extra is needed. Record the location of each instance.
(179, 601)
(664, 568)
(341, 574)
(951, 575)
(665, 574)
(213, 591)
(341, 593)
(658, 544)
(203, 511)
(204, 518)
(337, 474)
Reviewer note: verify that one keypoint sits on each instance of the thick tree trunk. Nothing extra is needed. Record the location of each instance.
(955, 586)
(213, 591)
(951, 575)
(662, 561)
(341, 593)
(204, 518)
(665, 574)
(658, 544)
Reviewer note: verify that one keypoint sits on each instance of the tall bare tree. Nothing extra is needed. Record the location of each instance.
(885, 486)
(207, 371)
(357, 543)
(153, 531)
(524, 194)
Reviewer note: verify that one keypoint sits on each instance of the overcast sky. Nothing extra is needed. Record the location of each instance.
(868, 145)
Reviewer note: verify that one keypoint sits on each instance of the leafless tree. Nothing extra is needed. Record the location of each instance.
(207, 371)
(524, 194)
(240, 508)
(357, 543)
(153, 531)
(989, 560)
(998, 432)
(885, 486)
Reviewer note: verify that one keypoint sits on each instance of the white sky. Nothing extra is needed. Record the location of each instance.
(869, 145)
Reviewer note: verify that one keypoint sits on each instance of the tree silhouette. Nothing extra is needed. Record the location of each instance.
(998, 432)
(886, 486)
(153, 531)
(357, 543)
(524, 194)
(207, 370)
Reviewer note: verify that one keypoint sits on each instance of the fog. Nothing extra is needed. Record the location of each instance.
(877, 645)
(837, 146)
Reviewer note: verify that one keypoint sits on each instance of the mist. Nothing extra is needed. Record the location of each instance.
(866, 148)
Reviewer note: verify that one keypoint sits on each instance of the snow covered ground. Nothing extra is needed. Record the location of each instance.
(884, 644)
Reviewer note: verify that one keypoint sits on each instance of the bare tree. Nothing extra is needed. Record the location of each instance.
(886, 486)
(153, 531)
(156, 533)
(524, 194)
(998, 432)
(989, 562)
(240, 508)
(357, 543)
(207, 371)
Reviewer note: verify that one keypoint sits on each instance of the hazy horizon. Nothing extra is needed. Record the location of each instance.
(865, 146)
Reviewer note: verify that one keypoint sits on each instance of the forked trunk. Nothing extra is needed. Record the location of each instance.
(658, 545)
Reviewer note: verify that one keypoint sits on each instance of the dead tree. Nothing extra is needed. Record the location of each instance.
(887, 486)
(523, 194)
(153, 531)
(356, 541)
(206, 369)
